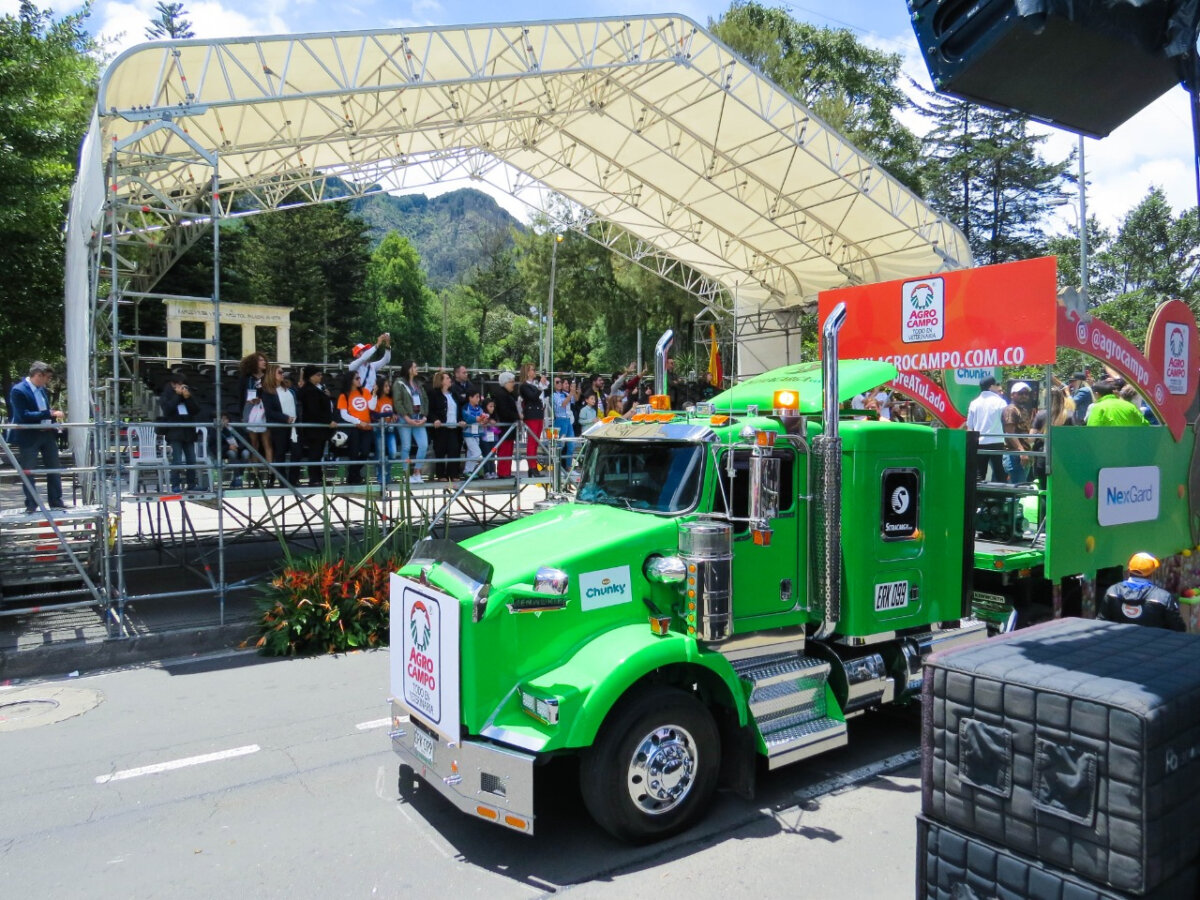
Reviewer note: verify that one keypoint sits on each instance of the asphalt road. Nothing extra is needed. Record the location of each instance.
(275, 779)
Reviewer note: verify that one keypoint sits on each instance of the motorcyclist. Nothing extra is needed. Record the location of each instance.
(1138, 601)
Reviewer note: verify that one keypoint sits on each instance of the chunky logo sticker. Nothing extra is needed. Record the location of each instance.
(605, 587)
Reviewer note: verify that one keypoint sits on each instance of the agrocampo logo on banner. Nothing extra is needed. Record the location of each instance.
(1175, 372)
(923, 307)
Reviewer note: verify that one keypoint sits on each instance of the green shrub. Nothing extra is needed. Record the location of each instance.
(324, 601)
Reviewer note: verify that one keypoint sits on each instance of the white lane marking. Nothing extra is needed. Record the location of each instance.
(178, 764)
(375, 723)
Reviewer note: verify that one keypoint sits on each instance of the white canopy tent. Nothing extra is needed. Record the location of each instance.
(681, 151)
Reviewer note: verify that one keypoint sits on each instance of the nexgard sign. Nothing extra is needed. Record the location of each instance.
(1128, 494)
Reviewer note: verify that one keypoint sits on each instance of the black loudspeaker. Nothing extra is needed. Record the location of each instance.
(1087, 65)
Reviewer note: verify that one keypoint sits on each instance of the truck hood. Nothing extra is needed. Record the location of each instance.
(570, 535)
(806, 379)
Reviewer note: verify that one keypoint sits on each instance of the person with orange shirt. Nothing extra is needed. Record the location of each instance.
(354, 408)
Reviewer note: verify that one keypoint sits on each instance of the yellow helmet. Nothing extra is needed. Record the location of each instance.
(1142, 564)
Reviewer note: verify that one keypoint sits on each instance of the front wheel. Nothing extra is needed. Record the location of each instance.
(653, 768)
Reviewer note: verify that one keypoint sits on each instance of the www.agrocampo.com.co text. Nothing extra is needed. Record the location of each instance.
(987, 357)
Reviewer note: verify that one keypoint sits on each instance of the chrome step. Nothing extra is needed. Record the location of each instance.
(776, 667)
(797, 740)
(788, 703)
(803, 695)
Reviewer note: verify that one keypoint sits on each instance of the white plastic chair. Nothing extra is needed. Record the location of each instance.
(203, 475)
(147, 453)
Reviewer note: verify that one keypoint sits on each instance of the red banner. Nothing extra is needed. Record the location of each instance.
(1113, 349)
(930, 395)
(999, 315)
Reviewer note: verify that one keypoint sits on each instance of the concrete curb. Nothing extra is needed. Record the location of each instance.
(87, 656)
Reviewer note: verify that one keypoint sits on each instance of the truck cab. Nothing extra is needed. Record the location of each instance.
(727, 583)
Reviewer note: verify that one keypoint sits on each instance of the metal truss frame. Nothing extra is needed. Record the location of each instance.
(647, 122)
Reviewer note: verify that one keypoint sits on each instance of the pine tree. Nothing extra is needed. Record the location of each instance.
(851, 86)
(986, 173)
(313, 259)
(169, 24)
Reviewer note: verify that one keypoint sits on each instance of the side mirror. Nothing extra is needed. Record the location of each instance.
(764, 489)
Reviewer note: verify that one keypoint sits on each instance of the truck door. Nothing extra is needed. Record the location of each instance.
(768, 582)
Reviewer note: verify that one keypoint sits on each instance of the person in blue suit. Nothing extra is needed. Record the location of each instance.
(29, 404)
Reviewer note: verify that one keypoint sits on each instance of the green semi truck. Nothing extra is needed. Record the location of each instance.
(730, 583)
(727, 583)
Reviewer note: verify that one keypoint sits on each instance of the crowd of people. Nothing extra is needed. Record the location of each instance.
(1010, 429)
(389, 419)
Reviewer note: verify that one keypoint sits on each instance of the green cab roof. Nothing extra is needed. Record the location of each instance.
(854, 377)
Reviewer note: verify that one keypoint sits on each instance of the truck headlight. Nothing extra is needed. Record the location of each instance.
(550, 580)
(544, 709)
(665, 570)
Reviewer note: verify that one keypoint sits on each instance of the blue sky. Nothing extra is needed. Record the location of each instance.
(1153, 148)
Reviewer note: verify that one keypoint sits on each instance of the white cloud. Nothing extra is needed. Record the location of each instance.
(1153, 149)
(124, 23)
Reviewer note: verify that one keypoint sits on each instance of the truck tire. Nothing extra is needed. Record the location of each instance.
(653, 768)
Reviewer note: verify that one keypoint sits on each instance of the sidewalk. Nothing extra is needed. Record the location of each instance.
(55, 642)
(61, 641)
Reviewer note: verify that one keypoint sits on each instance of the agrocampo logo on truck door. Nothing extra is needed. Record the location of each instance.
(923, 309)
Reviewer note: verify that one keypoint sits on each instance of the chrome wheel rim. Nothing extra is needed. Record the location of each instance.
(662, 769)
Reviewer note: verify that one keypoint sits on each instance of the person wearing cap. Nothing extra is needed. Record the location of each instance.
(1081, 395)
(364, 361)
(983, 417)
(1139, 601)
(507, 412)
(29, 404)
(1016, 420)
(1109, 409)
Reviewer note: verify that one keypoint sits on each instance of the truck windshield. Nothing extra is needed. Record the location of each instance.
(660, 476)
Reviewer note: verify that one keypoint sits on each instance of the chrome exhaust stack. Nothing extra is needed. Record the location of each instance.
(662, 393)
(827, 451)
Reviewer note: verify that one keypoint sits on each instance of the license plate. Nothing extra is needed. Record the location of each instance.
(423, 744)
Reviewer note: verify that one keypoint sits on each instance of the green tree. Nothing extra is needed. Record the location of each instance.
(313, 259)
(986, 173)
(585, 289)
(851, 86)
(48, 71)
(1153, 256)
(169, 24)
(399, 300)
(1155, 252)
(491, 288)
(659, 305)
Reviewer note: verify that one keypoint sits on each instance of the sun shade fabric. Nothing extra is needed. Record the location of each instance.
(648, 122)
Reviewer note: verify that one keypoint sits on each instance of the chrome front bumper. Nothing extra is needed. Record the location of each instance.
(489, 782)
